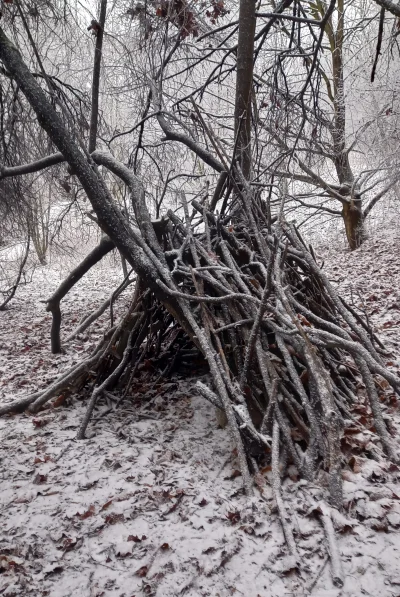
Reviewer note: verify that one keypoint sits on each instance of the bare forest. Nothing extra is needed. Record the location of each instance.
(199, 298)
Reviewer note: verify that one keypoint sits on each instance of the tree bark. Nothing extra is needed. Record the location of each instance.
(94, 117)
(353, 219)
(145, 258)
(244, 81)
(352, 210)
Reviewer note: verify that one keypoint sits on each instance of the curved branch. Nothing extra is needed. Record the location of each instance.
(172, 135)
(110, 218)
(53, 304)
(377, 198)
(137, 197)
(13, 289)
(41, 164)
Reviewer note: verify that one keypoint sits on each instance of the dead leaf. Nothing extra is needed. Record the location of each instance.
(114, 518)
(233, 517)
(42, 459)
(209, 550)
(39, 479)
(69, 543)
(106, 505)
(89, 512)
(37, 422)
(355, 464)
(53, 569)
(123, 550)
(59, 401)
(378, 524)
(233, 475)
(249, 530)
(142, 571)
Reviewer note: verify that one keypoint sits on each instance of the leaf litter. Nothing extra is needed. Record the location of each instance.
(152, 505)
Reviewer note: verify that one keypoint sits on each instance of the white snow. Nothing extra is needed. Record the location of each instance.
(151, 504)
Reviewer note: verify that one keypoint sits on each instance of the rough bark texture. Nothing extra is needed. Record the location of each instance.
(94, 118)
(352, 210)
(244, 85)
(248, 299)
(353, 219)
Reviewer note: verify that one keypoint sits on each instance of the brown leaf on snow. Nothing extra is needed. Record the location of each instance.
(233, 517)
(59, 401)
(11, 563)
(203, 502)
(355, 464)
(377, 477)
(37, 422)
(69, 543)
(341, 523)
(164, 546)
(249, 530)
(89, 512)
(39, 479)
(42, 459)
(114, 518)
(378, 524)
(106, 505)
(136, 539)
(123, 550)
(142, 571)
(382, 383)
(233, 475)
(210, 549)
(53, 569)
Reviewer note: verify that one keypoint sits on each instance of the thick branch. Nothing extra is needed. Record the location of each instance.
(53, 304)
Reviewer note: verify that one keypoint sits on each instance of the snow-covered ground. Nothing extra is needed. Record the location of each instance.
(151, 503)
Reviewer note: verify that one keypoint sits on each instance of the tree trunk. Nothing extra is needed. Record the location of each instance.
(352, 210)
(96, 76)
(354, 223)
(244, 82)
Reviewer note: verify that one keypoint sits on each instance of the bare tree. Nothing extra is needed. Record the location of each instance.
(243, 292)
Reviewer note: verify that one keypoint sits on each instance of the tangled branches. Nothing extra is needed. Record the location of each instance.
(289, 362)
(283, 350)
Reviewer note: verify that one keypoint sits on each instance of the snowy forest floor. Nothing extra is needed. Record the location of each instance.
(151, 503)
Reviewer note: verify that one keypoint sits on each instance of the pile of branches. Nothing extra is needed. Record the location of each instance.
(288, 359)
(286, 355)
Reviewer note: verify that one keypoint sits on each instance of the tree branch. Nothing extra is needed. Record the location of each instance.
(390, 6)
